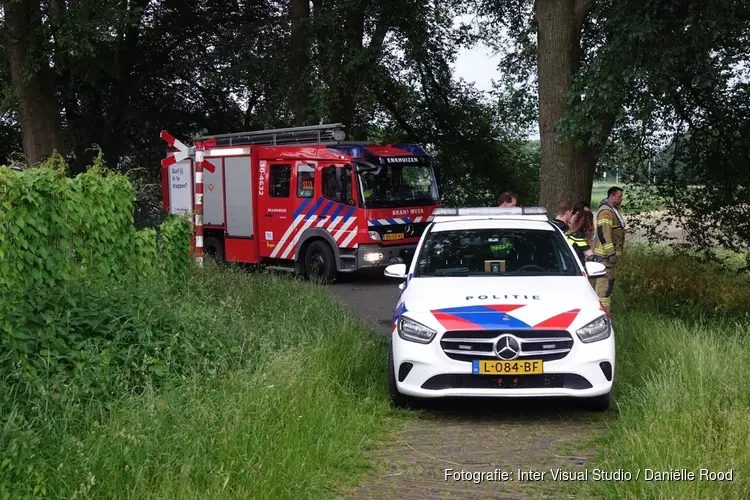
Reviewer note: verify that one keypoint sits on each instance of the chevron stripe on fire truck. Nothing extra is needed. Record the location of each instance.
(402, 220)
(340, 223)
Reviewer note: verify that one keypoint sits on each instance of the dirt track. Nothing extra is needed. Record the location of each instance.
(471, 436)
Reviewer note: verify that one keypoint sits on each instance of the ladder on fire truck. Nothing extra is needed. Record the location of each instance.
(329, 133)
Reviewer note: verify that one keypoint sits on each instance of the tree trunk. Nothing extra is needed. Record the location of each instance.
(32, 77)
(567, 168)
(299, 58)
(126, 56)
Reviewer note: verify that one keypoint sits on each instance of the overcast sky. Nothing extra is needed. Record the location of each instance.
(479, 65)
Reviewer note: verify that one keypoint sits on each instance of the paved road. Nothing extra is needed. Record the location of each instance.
(473, 435)
(372, 297)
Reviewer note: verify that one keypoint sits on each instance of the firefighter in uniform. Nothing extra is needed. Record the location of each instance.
(609, 243)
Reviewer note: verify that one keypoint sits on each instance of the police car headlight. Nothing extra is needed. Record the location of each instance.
(599, 329)
(413, 331)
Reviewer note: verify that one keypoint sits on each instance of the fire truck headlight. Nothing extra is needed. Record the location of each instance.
(374, 235)
(373, 257)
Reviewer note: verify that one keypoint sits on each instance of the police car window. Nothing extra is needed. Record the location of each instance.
(281, 178)
(305, 181)
(493, 252)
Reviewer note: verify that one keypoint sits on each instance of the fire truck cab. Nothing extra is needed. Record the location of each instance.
(302, 199)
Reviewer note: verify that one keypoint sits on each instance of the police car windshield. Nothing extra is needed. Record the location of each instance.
(398, 186)
(495, 252)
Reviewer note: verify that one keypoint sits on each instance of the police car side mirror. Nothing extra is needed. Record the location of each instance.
(396, 271)
(595, 269)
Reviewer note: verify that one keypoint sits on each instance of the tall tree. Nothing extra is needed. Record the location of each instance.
(299, 60)
(33, 80)
(567, 166)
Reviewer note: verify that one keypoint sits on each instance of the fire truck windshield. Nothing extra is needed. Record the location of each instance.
(387, 186)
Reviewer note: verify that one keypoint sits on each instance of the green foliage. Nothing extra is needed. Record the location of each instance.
(681, 384)
(49, 223)
(76, 277)
(223, 361)
(35, 249)
(115, 339)
(175, 241)
(680, 283)
(147, 254)
(682, 394)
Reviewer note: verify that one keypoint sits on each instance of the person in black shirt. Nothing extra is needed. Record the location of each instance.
(562, 215)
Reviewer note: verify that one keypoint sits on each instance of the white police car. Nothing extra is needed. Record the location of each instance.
(497, 303)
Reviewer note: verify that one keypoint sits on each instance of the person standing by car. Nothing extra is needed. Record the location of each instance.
(507, 199)
(579, 207)
(609, 242)
(581, 237)
(562, 215)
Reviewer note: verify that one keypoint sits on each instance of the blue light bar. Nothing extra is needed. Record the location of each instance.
(488, 211)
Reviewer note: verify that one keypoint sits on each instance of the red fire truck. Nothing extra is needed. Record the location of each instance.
(303, 199)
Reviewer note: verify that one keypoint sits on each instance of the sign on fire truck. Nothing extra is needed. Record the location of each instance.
(302, 198)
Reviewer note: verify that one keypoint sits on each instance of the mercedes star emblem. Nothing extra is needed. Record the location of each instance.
(409, 230)
(508, 347)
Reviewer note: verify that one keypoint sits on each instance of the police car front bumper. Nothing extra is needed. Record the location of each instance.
(377, 255)
(586, 371)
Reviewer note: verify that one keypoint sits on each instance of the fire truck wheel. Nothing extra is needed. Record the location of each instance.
(213, 248)
(320, 262)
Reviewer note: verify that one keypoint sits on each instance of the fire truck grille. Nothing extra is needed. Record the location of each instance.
(408, 230)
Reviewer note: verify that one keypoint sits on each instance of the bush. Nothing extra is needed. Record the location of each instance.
(676, 282)
(80, 285)
(51, 225)
(208, 387)
(125, 371)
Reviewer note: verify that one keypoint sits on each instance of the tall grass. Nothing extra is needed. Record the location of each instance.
(655, 278)
(683, 391)
(282, 412)
(682, 383)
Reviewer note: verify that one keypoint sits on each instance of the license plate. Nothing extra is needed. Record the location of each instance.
(394, 236)
(517, 367)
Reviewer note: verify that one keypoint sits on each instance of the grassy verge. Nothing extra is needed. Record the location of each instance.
(683, 381)
(283, 411)
(683, 393)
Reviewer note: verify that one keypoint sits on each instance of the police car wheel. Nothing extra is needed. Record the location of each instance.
(399, 400)
(598, 403)
(319, 262)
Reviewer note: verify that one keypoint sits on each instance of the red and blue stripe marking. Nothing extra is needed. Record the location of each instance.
(497, 317)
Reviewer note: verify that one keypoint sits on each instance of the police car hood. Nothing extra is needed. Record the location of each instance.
(501, 302)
